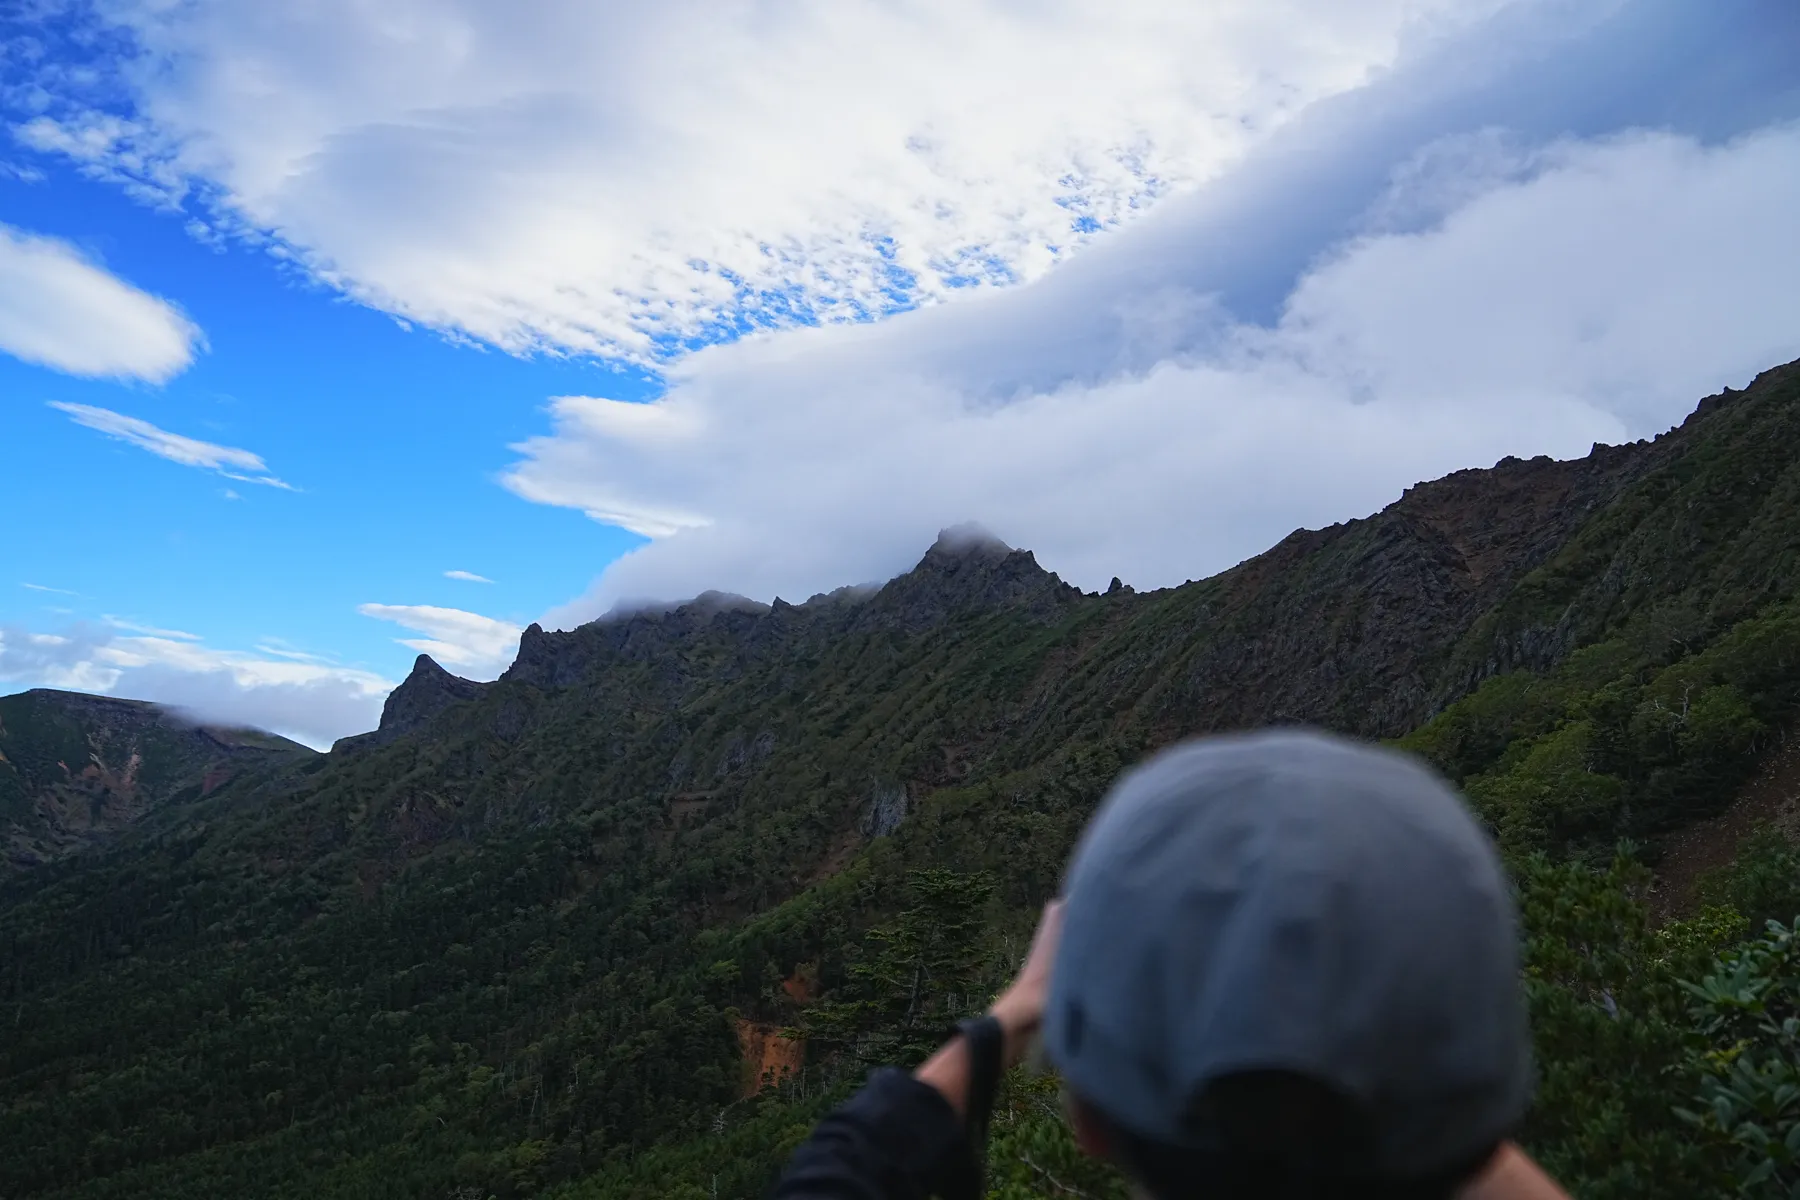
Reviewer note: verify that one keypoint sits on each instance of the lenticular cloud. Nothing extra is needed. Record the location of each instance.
(1593, 298)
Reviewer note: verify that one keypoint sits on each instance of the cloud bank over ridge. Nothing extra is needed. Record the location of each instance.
(1564, 229)
(1142, 290)
(307, 697)
(294, 695)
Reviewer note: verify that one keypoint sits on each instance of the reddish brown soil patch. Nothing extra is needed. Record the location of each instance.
(1772, 798)
(768, 1056)
(802, 984)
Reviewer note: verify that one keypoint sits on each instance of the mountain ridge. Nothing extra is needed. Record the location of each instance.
(555, 658)
(962, 570)
(516, 941)
(77, 769)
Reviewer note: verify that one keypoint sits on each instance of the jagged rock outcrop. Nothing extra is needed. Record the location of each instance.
(968, 571)
(426, 691)
(1358, 625)
(965, 571)
(885, 810)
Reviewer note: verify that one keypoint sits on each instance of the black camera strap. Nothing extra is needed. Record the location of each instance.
(986, 1044)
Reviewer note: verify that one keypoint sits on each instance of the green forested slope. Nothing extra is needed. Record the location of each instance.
(506, 944)
(76, 770)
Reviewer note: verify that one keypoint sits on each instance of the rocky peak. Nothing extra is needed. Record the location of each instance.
(843, 597)
(636, 632)
(964, 543)
(968, 568)
(427, 691)
(708, 604)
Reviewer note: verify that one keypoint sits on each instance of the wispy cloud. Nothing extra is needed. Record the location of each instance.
(151, 630)
(479, 645)
(467, 576)
(54, 591)
(60, 310)
(229, 461)
(279, 649)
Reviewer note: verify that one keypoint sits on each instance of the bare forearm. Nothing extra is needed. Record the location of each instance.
(1513, 1176)
(948, 1069)
(948, 1072)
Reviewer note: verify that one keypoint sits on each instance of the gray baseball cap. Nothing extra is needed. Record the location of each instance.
(1293, 901)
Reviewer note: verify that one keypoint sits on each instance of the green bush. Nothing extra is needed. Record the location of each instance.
(1553, 795)
(1746, 1014)
(1608, 1028)
(1762, 882)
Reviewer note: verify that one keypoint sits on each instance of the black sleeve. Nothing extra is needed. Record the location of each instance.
(896, 1139)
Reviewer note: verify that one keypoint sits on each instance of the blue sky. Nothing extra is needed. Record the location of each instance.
(392, 439)
(607, 306)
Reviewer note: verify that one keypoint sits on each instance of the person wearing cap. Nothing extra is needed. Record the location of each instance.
(1284, 964)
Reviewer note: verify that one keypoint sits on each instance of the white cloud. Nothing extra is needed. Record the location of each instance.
(470, 644)
(280, 649)
(1384, 261)
(54, 591)
(1637, 274)
(1593, 294)
(560, 175)
(151, 630)
(228, 461)
(307, 701)
(467, 577)
(60, 310)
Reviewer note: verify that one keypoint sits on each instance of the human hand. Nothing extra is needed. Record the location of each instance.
(1019, 1011)
(1020, 1008)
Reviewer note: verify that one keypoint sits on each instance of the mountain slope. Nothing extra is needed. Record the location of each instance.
(977, 662)
(516, 934)
(76, 770)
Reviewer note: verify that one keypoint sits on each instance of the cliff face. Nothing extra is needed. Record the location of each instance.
(426, 691)
(76, 770)
(1357, 626)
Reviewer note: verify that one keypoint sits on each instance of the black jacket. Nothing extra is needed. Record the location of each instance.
(896, 1139)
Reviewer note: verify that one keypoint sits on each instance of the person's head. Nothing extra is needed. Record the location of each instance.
(1288, 967)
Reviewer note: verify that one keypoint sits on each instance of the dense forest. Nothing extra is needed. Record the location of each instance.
(624, 921)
